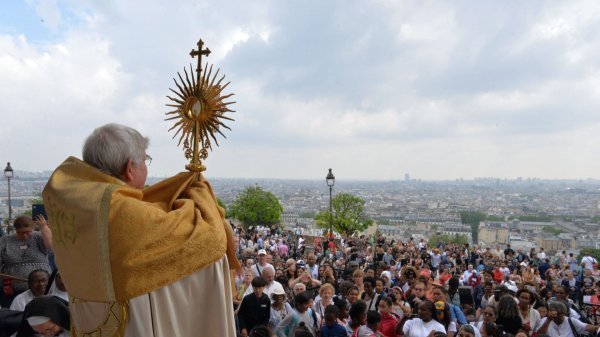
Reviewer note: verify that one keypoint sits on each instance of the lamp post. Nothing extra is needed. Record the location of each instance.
(330, 179)
(8, 173)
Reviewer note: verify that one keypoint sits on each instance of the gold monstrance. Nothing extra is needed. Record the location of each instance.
(199, 109)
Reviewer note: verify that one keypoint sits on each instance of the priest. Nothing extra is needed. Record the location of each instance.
(139, 261)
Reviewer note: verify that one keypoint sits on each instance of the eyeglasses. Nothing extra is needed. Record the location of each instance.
(148, 160)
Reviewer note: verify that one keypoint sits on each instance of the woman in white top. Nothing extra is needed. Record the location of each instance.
(489, 314)
(425, 323)
(529, 316)
(326, 298)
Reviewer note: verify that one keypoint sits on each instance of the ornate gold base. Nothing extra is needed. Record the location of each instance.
(195, 167)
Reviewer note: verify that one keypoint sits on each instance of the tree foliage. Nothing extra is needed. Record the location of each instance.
(446, 238)
(473, 219)
(348, 215)
(307, 215)
(255, 206)
(494, 218)
(533, 218)
(552, 230)
(589, 251)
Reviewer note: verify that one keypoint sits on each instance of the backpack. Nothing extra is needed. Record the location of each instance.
(296, 323)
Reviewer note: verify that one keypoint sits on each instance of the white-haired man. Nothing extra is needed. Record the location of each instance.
(268, 273)
(139, 262)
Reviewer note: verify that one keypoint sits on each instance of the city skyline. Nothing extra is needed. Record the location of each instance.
(372, 89)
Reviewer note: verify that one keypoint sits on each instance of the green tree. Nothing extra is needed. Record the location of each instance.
(384, 222)
(348, 215)
(490, 217)
(255, 206)
(35, 201)
(536, 218)
(589, 251)
(473, 219)
(552, 230)
(307, 215)
(445, 238)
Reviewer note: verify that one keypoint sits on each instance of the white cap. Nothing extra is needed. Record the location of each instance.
(262, 252)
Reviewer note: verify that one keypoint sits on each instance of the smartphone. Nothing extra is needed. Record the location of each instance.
(38, 209)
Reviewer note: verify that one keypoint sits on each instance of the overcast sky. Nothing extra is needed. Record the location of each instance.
(372, 89)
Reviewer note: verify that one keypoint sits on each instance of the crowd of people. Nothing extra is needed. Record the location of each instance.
(361, 287)
(383, 287)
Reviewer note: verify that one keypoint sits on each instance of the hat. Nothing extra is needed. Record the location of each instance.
(353, 264)
(300, 264)
(262, 252)
(387, 274)
(512, 288)
(277, 291)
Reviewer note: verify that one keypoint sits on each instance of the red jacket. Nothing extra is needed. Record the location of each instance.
(498, 276)
(388, 325)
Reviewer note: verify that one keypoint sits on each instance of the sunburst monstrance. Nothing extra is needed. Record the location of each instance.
(200, 108)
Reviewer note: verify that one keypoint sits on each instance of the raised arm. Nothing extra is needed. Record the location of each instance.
(45, 231)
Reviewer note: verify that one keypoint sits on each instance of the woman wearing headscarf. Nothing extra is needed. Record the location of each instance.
(443, 316)
(386, 276)
(46, 316)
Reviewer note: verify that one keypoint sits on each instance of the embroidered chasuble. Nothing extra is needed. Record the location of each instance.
(113, 242)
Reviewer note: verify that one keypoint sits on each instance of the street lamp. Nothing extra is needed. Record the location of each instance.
(8, 173)
(330, 179)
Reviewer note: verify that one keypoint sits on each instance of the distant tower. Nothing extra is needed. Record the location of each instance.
(406, 177)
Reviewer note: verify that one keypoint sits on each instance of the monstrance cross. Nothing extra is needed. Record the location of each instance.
(199, 110)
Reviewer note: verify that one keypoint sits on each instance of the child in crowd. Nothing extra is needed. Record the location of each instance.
(332, 328)
(302, 315)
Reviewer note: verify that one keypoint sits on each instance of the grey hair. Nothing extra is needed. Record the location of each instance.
(558, 306)
(111, 146)
(467, 328)
(302, 285)
(269, 267)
